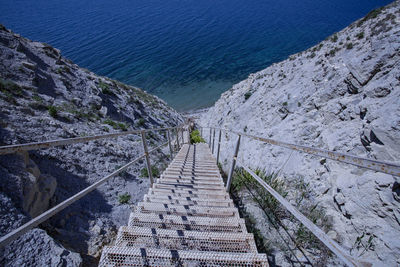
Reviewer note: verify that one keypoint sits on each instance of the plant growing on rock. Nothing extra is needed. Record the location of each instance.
(349, 46)
(124, 198)
(53, 111)
(247, 95)
(154, 171)
(195, 137)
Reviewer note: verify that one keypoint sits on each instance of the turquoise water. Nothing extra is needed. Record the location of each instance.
(185, 51)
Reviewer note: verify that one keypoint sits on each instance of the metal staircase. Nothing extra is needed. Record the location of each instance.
(186, 219)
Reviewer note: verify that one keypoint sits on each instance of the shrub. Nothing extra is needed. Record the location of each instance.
(37, 98)
(116, 125)
(154, 171)
(334, 38)
(105, 88)
(196, 138)
(122, 126)
(360, 35)
(52, 111)
(285, 103)
(371, 15)
(141, 122)
(349, 46)
(124, 198)
(247, 95)
(10, 90)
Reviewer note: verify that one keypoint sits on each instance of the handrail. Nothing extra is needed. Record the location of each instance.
(375, 165)
(9, 149)
(381, 166)
(6, 239)
(331, 244)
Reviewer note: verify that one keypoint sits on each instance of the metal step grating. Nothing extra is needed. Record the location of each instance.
(129, 256)
(185, 240)
(186, 219)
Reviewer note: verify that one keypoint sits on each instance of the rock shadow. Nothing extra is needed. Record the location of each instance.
(71, 226)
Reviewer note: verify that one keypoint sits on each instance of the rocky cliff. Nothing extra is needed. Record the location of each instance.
(342, 95)
(44, 96)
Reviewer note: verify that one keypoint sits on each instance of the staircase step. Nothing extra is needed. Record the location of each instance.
(128, 256)
(189, 193)
(190, 173)
(185, 240)
(188, 201)
(189, 186)
(174, 222)
(194, 166)
(186, 210)
(189, 168)
(191, 178)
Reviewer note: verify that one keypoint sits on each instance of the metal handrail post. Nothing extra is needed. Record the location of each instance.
(201, 131)
(177, 138)
(229, 182)
(209, 142)
(219, 145)
(188, 135)
(146, 152)
(183, 140)
(213, 141)
(169, 144)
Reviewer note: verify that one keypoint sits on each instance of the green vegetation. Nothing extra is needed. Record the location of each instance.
(105, 88)
(116, 125)
(63, 70)
(195, 137)
(285, 103)
(141, 122)
(37, 98)
(371, 15)
(124, 198)
(247, 95)
(334, 38)
(154, 171)
(360, 35)
(333, 51)
(10, 90)
(362, 244)
(300, 195)
(349, 46)
(53, 111)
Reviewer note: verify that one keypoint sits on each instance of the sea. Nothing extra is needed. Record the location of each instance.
(187, 52)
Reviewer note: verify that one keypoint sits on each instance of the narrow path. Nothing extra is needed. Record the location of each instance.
(186, 219)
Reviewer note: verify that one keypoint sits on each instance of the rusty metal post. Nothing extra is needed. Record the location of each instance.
(169, 144)
(177, 137)
(146, 152)
(229, 182)
(209, 142)
(219, 145)
(213, 141)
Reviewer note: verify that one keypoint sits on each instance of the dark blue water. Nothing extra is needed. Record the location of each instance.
(186, 51)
